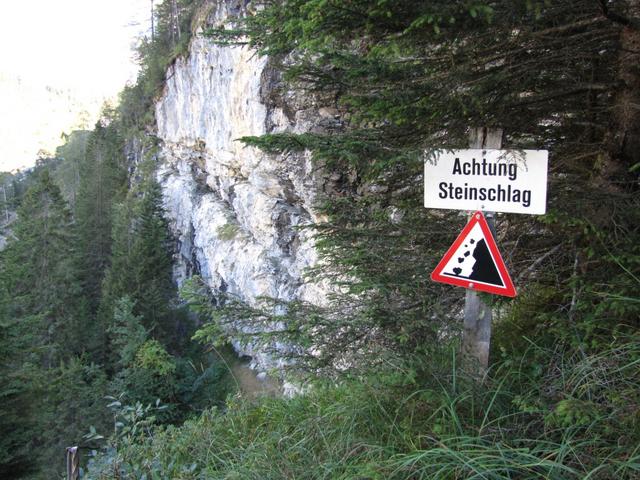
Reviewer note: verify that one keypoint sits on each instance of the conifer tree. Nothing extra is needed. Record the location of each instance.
(155, 284)
(40, 271)
(15, 404)
(71, 155)
(102, 178)
(140, 265)
(45, 329)
(145, 369)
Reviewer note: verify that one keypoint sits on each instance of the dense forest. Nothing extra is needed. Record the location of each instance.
(90, 315)
(99, 349)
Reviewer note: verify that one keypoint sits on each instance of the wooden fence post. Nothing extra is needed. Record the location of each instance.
(476, 338)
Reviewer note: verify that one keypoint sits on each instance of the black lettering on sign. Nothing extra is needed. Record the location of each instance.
(456, 167)
(499, 193)
(484, 168)
(443, 190)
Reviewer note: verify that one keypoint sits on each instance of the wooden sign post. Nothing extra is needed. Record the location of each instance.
(476, 339)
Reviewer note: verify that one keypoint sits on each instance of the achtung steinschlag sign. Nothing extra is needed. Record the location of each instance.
(512, 181)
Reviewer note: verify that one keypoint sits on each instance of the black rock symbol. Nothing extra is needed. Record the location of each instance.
(466, 254)
(472, 241)
(460, 259)
(485, 270)
(457, 270)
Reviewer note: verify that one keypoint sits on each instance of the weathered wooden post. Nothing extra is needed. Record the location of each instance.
(73, 463)
(476, 338)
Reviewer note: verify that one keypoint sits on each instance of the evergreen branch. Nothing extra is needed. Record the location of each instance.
(630, 22)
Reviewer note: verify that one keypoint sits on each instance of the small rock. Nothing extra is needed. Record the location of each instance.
(328, 112)
(395, 215)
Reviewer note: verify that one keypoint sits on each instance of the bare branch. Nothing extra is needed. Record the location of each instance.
(538, 261)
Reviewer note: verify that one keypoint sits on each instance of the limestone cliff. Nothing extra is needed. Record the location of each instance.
(235, 210)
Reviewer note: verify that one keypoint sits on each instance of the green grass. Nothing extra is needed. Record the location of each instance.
(433, 424)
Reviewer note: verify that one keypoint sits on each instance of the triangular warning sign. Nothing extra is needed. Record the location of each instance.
(474, 262)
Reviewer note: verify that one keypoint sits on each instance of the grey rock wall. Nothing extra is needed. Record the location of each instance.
(234, 210)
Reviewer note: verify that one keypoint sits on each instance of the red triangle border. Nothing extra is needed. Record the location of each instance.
(507, 290)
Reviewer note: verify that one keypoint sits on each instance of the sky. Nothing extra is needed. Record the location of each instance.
(59, 61)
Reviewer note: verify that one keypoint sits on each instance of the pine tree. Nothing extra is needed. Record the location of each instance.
(40, 271)
(141, 263)
(126, 331)
(71, 155)
(146, 370)
(154, 247)
(15, 399)
(102, 181)
(44, 324)
(72, 400)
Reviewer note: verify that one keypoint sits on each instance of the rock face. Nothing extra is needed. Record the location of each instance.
(235, 210)
(6, 219)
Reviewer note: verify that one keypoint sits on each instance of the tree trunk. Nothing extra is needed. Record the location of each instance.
(6, 205)
(176, 18)
(153, 32)
(623, 139)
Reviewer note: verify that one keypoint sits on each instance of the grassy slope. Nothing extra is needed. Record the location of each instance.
(410, 424)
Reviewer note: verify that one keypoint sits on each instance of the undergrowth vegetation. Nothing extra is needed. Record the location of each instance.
(419, 420)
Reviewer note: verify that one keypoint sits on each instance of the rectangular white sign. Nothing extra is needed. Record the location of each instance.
(513, 181)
